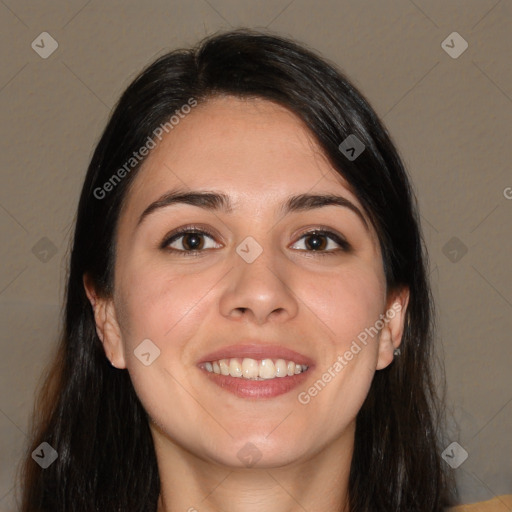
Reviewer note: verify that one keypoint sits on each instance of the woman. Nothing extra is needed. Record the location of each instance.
(248, 318)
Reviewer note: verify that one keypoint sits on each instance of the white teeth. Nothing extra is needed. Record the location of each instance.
(254, 369)
(267, 369)
(224, 366)
(250, 368)
(235, 368)
(281, 368)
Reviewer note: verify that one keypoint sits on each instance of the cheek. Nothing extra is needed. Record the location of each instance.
(158, 303)
(344, 304)
(347, 303)
(167, 309)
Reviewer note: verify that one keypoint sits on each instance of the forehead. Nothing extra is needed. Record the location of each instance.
(252, 149)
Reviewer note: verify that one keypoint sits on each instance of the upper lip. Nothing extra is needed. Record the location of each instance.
(257, 350)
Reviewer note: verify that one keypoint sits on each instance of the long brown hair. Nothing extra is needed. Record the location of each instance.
(85, 405)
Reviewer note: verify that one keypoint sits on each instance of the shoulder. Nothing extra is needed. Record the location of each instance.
(498, 504)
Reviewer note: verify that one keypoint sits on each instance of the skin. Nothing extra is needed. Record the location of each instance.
(258, 153)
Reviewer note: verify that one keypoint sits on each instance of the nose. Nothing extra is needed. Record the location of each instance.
(260, 291)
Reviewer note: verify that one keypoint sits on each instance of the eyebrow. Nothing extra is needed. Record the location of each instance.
(215, 201)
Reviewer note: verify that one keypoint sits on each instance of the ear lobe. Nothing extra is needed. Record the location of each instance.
(391, 334)
(107, 326)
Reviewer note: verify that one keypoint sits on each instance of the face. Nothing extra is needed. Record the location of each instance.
(299, 284)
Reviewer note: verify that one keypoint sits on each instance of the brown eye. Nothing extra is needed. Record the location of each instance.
(318, 241)
(193, 241)
(188, 240)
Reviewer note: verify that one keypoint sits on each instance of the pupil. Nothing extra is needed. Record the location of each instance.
(317, 244)
(194, 240)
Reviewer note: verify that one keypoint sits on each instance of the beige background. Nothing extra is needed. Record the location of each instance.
(450, 119)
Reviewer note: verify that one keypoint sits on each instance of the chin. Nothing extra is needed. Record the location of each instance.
(261, 451)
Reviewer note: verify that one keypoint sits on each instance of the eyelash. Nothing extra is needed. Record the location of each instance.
(189, 230)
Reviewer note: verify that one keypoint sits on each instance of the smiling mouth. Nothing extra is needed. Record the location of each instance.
(273, 383)
(254, 369)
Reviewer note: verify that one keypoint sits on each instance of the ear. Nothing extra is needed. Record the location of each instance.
(394, 320)
(107, 326)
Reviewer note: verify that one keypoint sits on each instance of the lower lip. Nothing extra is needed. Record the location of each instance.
(247, 388)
